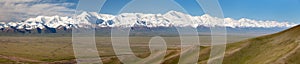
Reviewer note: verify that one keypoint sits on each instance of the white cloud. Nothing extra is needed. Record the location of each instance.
(17, 1)
(14, 10)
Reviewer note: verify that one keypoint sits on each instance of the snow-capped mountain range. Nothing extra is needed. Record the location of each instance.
(169, 19)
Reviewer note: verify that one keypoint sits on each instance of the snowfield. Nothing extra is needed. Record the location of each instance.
(171, 18)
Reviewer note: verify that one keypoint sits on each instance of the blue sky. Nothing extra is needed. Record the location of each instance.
(278, 10)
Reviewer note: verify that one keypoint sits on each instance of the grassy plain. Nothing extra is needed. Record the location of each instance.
(41, 49)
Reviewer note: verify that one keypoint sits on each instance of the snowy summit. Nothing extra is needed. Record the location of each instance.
(169, 19)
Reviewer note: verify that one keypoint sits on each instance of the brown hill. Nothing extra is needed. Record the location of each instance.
(278, 48)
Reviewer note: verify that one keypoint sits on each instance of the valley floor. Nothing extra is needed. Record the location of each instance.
(38, 49)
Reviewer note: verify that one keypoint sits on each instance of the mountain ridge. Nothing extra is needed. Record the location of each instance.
(150, 20)
(169, 19)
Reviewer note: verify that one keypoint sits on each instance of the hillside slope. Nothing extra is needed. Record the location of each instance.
(278, 48)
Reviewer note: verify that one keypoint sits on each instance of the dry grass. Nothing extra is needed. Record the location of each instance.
(50, 49)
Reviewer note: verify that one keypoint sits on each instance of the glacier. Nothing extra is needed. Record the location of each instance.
(169, 19)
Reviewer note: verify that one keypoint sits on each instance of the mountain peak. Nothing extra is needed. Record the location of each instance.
(206, 16)
(172, 12)
(171, 18)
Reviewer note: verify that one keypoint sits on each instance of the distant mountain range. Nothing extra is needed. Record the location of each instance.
(52, 24)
